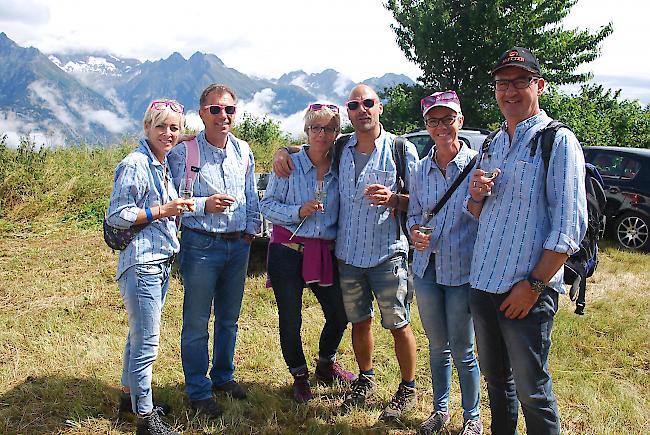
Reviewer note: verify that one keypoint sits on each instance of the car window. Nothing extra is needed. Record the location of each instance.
(422, 143)
(609, 165)
(630, 168)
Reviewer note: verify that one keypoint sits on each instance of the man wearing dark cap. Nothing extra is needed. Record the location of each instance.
(529, 221)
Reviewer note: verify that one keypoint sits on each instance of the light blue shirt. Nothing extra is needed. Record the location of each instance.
(141, 182)
(221, 171)
(529, 211)
(284, 197)
(369, 235)
(454, 232)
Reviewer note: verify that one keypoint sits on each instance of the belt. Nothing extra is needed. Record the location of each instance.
(170, 260)
(235, 235)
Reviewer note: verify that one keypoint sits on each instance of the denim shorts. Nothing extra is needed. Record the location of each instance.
(388, 283)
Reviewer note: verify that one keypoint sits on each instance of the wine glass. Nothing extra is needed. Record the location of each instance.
(185, 190)
(320, 194)
(488, 165)
(370, 178)
(425, 228)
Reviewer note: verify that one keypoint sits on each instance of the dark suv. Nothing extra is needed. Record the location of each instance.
(626, 173)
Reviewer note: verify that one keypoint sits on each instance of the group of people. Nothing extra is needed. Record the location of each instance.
(487, 263)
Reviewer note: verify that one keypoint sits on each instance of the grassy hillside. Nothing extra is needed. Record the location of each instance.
(63, 326)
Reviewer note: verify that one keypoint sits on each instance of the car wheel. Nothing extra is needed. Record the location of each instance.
(632, 231)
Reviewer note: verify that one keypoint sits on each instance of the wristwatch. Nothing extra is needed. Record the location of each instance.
(537, 285)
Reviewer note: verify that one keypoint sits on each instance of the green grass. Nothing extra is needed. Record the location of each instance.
(63, 326)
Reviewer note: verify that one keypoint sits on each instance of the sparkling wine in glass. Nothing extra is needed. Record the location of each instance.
(185, 190)
(489, 169)
(320, 194)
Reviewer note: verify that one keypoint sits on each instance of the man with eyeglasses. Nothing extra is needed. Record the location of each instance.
(529, 221)
(215, 247)
(371, 250)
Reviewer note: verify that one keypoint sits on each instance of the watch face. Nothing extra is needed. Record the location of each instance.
(536, 285)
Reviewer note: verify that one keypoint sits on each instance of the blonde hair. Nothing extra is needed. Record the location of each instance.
(324, 113)
(154, 116)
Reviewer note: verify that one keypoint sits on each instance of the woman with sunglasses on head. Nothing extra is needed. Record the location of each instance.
(441, 262)
(304, 209)
(144, 194)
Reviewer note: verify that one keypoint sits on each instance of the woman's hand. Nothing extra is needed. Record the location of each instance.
(309, 208)
(176, 207)
(420, 241)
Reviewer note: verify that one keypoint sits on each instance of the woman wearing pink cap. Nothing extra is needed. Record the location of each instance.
(441, 262)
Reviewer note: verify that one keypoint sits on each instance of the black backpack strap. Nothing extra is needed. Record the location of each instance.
(338, 149)
(547, 135)
(488, 141)
(399, 156)
(455, 185)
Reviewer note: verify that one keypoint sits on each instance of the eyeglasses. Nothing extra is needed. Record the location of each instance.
(216, 109)
(367, 103)
(317, 129)
(518, 83)
(434, 122)
(162, 104)
(315, 107)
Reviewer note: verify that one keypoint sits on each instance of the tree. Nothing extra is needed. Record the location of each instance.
(456, 42)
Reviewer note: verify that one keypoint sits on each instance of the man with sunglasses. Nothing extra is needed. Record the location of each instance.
(531, 220)
(215, 248)
(371, 250)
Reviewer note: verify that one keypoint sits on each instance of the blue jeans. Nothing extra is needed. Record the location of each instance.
(387, 281)
(445, 315)
(214, 273)
(514, 361)
(143, 288)
(285, 273)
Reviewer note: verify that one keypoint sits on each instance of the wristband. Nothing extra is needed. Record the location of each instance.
(475, 201)
(147, 211)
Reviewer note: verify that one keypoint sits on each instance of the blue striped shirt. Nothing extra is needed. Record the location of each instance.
(368, 235)
(138, 184)
(221, 171)
(454, 232)
(529, 211)
(284, 197)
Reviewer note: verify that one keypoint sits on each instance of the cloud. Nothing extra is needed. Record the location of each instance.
(111, 121)
(28, 12)
(17, 129)
(52, 98)
(341, 85)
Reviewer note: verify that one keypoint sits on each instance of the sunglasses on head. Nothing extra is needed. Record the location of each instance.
(216, 109)
(162, 104)
(367, 103)
(315, 107)
(439, 97)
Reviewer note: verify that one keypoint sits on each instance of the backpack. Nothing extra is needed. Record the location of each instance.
(193, 159)
(399, 157)
(582, 264)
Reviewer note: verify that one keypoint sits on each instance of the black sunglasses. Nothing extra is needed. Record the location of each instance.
(216, 109)
(367, 102)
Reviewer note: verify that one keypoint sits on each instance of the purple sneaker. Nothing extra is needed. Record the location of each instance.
(329, 372)
(302, 389)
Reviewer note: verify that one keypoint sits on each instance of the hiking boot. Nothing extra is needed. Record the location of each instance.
(231, 388)
(125, 406)
(151, 424)
(472, 427)
(329, 372)
(434, 424)
(404, 400)
(362, 388)
(207, 407)
(302, 389)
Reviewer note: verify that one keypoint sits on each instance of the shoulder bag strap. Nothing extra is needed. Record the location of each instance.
(455, 185)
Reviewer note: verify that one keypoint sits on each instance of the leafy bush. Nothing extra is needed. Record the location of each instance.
(264, 136)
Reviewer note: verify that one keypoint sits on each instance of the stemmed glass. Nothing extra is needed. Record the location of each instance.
(185, 190)
(489, 168)
(370, 178)
(425, 228)
(320, 194)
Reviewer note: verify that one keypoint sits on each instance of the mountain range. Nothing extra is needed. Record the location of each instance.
(97, 97)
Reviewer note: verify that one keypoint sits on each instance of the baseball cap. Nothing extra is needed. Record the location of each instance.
(441, 99)
(519, 57)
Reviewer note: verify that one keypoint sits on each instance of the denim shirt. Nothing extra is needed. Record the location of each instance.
(368, 235)
(141, 182)
(454, 232)
(221, 171)
(284, 197)
(529, 210)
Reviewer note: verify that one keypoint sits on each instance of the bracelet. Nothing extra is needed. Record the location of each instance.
(159, 213)
(475, 201)
(147, 211)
